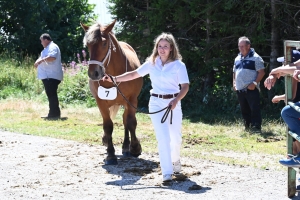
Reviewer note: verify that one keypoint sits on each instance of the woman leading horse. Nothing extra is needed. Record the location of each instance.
(166, 72)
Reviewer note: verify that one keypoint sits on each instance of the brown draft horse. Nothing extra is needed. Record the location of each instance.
(108, 55)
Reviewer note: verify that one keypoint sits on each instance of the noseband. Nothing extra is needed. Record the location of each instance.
(108, 55)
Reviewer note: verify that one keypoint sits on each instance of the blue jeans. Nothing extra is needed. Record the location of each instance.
(291, 118)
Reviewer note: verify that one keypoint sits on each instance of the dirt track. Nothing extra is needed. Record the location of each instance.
(34, 167)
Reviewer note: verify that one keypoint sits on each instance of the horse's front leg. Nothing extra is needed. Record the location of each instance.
(135, 146)
(111, 158)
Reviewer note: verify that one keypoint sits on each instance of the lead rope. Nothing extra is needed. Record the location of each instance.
(164, 117)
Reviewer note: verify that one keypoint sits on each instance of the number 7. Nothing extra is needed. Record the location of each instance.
(107, 92)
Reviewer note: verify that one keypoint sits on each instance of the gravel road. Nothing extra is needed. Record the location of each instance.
(33, 167)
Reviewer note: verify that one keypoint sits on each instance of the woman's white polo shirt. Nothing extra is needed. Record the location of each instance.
(165, 79)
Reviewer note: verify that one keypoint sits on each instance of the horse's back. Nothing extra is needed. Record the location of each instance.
(130, 54)
(136, 84)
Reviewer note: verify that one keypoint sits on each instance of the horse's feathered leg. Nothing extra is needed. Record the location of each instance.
(111, 158)
(135, 146)
(126, 142)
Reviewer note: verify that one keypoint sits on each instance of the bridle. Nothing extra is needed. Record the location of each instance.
(108, 55)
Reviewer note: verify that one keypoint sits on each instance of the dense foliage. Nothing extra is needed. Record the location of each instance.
(207, 34)
(22, 22)
(206, 31)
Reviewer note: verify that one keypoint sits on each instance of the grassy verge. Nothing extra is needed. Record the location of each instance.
(224, 142)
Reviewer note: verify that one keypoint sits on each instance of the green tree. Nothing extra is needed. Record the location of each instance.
(207, 34)
(23, 21)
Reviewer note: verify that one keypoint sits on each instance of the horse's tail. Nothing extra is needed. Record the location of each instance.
(113, 110)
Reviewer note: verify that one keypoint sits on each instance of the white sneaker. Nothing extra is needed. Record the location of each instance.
(167, 177)
(176, 166)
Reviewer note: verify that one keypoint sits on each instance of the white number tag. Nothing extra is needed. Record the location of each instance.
(107, 93)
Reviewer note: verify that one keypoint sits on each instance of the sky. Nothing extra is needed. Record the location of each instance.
(102, 11)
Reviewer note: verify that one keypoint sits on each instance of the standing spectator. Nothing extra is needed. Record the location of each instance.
(50, 72)
(248, 70)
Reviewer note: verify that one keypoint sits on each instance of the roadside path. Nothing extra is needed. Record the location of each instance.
(33, 167)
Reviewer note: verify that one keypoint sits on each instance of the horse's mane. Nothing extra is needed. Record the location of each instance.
(93, 35)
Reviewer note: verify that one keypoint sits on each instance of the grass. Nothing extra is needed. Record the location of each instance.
(206, 135)
(19, 80)
(224, 142)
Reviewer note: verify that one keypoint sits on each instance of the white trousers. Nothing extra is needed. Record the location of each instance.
(168, 135)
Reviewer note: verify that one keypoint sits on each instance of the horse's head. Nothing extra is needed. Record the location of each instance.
(99, 43)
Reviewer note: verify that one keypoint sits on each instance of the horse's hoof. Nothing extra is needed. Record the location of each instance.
(126, 154)
(111, 162)
(135, 155)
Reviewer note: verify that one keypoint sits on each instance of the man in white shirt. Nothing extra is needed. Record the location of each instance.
(50, 72)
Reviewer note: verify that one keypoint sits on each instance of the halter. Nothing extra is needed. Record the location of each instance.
(108, 55)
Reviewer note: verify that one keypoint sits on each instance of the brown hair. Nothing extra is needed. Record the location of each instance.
(174, 54)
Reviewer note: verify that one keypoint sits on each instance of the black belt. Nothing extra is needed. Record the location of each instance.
(165, 96)
(243, 90)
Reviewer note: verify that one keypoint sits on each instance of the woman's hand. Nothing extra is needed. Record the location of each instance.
(106, 78)
(182, 93)
(173, 103)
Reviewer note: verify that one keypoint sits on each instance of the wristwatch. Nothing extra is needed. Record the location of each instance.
(254, 82)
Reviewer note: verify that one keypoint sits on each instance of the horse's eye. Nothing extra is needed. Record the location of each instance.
(104, 44)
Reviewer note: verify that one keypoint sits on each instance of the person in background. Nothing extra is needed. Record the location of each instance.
(289, 115)
(49, 70)
(296, 97)
(248, 70)
(167, 72)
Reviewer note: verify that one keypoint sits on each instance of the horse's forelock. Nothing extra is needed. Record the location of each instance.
(93, 35)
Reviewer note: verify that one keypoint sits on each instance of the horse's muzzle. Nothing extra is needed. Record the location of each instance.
(96, 72)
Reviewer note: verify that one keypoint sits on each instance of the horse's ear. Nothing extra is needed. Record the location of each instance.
(109, 27)
(85, 27)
